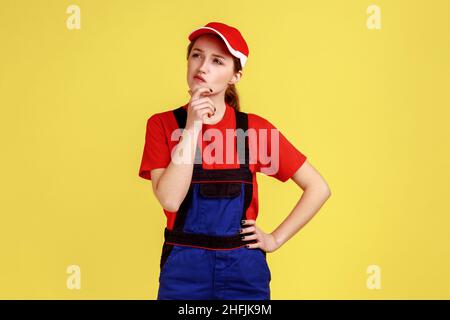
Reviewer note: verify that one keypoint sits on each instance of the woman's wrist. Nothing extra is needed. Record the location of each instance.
(187, 143)
(194, 127)
(278, 241)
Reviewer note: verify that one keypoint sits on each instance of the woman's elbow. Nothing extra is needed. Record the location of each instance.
(321, 188)
(327, 192)
(168, 202)
(170, 205)
(325, 189)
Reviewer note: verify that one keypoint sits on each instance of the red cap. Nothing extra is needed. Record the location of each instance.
(231, 36)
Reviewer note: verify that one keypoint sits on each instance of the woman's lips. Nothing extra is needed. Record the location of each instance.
(199, 79)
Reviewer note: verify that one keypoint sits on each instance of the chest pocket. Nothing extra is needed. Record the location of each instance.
(220, 190)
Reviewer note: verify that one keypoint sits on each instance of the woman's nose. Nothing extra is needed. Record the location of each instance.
(203, 66)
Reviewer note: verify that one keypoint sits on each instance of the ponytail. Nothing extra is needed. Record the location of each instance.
(232, 97)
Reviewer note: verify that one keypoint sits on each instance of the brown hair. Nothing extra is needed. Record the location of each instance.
(231, 94)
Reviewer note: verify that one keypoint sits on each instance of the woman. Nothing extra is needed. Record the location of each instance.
(213, 248)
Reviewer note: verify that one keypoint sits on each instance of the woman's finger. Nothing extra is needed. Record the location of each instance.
(250, 237)
(203, 105)
(253, 245)
(201, 109)
(201, 100)
(205, 112)
(248, 230)
(199, 91)
(248, 222)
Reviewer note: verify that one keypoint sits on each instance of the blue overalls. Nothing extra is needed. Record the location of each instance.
(203, 256)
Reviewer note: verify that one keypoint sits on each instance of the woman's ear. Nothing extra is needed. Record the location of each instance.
(236, 77)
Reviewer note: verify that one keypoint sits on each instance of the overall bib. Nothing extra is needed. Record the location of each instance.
(203, 255)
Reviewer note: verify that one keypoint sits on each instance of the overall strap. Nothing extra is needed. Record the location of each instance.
(181, 117)
(242, 135)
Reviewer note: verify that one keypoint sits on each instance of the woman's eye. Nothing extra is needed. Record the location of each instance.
(194, 55)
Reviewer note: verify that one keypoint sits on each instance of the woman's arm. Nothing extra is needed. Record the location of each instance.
(170, 185)
(316, 192)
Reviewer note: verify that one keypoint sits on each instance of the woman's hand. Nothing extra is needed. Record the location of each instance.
(200, 107)
(250, 231)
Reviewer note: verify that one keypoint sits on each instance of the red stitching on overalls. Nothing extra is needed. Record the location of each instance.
(185, 245)
(219, 181)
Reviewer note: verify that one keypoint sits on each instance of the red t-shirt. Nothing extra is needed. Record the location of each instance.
(158, 147)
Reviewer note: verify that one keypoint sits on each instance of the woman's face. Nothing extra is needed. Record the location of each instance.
(210, 59)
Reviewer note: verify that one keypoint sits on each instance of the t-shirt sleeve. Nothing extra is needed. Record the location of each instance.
(279, 158)
(156, 152)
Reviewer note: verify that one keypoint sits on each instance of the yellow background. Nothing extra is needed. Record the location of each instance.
(370, 109)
